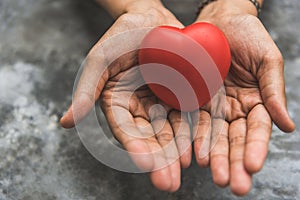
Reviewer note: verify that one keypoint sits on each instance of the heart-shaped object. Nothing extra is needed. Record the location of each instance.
(185, 67)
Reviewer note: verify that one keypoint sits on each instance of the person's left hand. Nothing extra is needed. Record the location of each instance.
(234, 142)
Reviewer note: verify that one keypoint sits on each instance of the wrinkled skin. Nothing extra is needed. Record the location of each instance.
(255, 96)
(253, 100)
(136, 127)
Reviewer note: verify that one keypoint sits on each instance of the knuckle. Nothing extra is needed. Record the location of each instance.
(200, 138)
(164, 137)
(183, 139)
(220, 138)
(237, 140)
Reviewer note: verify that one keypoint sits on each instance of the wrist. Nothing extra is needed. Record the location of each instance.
(154, 11)
(223, 8)
(116, 8)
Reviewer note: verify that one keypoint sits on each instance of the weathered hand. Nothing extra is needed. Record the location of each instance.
(138, 120)
(255, 96)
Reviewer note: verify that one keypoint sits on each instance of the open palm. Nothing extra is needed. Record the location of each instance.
(255, 96)
(156, 136)
(143, 124)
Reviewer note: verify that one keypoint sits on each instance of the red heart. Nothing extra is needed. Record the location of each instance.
(185, 67)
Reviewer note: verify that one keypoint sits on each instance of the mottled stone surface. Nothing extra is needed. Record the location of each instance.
(42, 44)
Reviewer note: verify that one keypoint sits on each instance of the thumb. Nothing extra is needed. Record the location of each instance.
(79, 108)
(272, 86)
(88, 90)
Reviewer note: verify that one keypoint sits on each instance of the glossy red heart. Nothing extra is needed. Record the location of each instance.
(185, 67)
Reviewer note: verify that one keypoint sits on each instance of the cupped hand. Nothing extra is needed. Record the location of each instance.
(255, 96)
(138, 120)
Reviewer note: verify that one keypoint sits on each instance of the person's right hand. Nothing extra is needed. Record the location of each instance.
(135, 116)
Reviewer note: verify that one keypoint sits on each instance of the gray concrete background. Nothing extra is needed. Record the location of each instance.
(42, 44)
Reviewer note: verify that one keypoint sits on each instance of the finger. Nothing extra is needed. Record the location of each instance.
(202, 135)
(240, 179)
(161, 179)
(272, 86)
(133, 134)
(181, 129)
(162, 174)
(167, 178)
(165, 137)
(149, 155)
(219, 155)
(259, 131)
